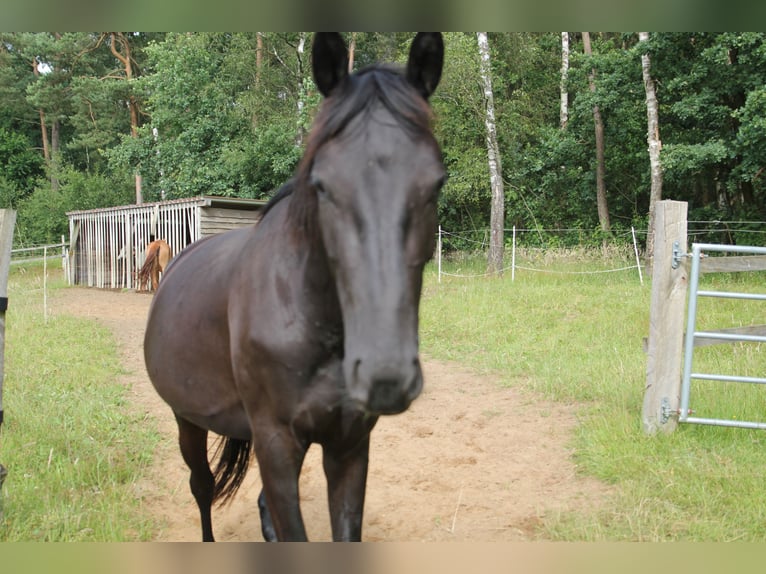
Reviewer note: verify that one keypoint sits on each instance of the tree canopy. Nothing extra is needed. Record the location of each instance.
(82, 114)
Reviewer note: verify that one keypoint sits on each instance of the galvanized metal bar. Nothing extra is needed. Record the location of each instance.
(732, 295)
(690, 328)
(731, 248)
(730, 336)
(726, 423)
(728, 378)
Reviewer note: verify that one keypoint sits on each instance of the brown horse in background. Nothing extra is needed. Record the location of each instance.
(157, 258)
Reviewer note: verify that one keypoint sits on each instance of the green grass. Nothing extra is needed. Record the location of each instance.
(577, 338)
(74, 448)
(70, 441)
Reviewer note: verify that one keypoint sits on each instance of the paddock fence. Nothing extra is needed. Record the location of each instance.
(673, 332)
(530, 252)
(37, 253)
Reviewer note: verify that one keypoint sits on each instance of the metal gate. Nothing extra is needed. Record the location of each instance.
(726, 335)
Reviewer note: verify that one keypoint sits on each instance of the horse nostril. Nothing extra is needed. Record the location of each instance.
(384, 387)
(386, 397)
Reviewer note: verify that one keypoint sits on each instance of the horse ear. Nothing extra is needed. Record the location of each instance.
(424, 67)
(329, 61)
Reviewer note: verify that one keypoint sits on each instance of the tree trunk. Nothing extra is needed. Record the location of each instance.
(43, 126)
(126, 60)
(655, 145)
(564, 112)
(258, 72)
(301, 132)
(497, 215)
(351, 50)
(603, 209)
(258, 57)
(44, 130)
(55, 146)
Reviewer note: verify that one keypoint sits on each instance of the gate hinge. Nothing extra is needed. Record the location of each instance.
(665, 411)
(677, 255)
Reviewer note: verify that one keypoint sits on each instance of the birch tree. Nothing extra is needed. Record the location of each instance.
(351, 52)
(601, 202)
(497, 214)
(653, 139)
(564, 113)
(302, 91)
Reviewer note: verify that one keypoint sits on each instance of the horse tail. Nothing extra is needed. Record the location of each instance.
(233, 461)
(146, 269)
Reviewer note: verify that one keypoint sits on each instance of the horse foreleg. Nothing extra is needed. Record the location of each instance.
(346, 474)
(193, 442)
(267, 525)
(280, 458)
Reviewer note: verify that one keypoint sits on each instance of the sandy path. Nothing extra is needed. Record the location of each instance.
(469, 461)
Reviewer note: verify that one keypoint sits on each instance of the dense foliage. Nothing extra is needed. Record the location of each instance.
(225, 114)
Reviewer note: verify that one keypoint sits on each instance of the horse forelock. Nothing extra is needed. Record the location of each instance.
(361, 93)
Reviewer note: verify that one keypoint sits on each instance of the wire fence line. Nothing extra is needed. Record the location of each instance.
(469, 239)
(545, 240)
(477, 240)
(695, 228)
(44, 253)
(576, 272)
(39, 252)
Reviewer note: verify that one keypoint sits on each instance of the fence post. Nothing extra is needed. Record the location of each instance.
(439, 255)
(45, 284)
(7, 223)
(513, 256)
(635, 251)
(666, 319)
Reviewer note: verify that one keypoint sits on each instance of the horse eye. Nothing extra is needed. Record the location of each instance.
(318, 187)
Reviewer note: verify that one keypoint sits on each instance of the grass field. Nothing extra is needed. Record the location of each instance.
(570, 332)
(71, 446)
(575, 334)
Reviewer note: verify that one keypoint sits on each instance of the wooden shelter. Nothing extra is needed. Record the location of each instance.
(106, 246)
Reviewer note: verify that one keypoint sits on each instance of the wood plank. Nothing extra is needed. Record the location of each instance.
(758, 330)
(215, 220)
(733, 263)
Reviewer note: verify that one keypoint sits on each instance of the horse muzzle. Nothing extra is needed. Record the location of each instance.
(385, 387)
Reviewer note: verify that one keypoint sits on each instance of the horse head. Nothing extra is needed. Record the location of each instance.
(376, 172)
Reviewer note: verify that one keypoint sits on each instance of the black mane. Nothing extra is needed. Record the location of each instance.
(282, 192)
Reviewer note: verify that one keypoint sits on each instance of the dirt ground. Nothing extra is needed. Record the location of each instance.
(469, 461)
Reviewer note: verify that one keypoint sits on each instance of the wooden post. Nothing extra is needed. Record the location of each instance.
(666, 319)
(439, 255)
(513, 256)
(7, 224)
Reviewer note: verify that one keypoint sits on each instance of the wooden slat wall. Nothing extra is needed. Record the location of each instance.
(217, 220)
(108, 246)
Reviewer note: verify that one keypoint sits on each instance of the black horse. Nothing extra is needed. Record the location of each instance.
(304, 328)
